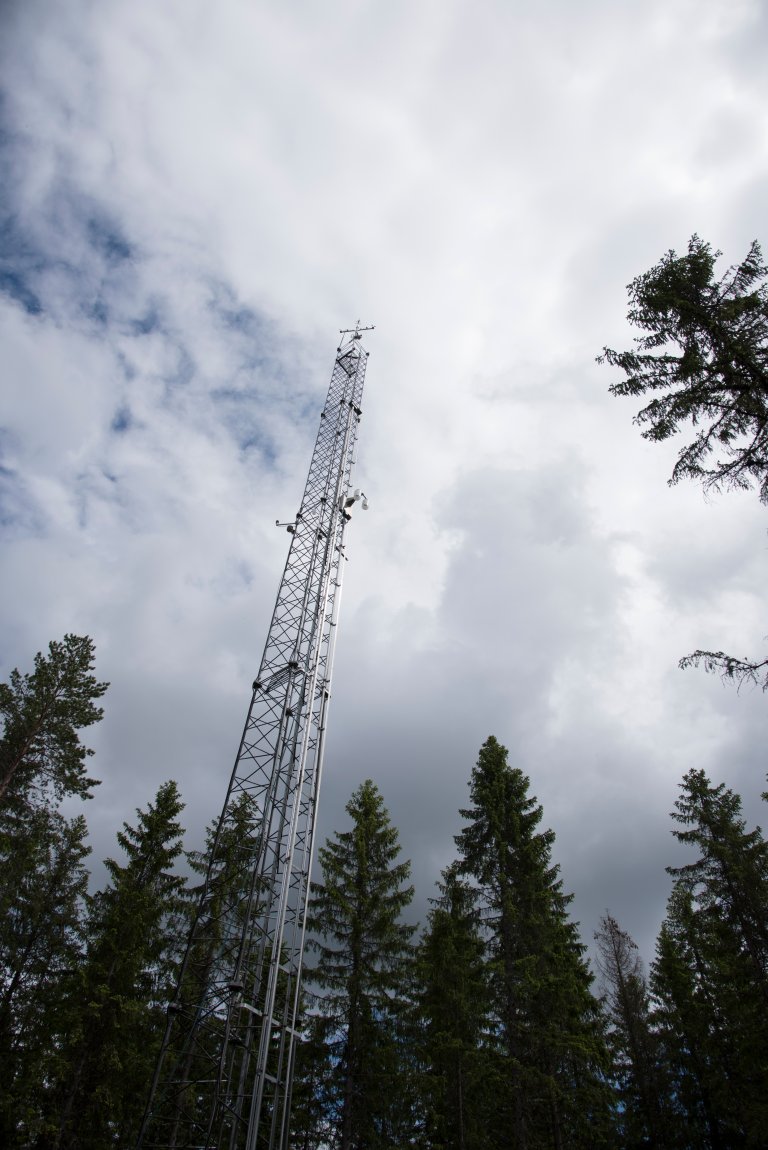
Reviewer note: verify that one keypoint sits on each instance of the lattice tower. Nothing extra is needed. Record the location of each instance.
(224, 1075)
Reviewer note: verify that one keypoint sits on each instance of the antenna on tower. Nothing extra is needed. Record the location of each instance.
(356, 331)
(223, 1078)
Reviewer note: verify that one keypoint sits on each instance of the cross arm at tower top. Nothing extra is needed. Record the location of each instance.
(356, 331)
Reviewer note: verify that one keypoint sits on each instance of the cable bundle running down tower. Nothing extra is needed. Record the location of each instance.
(224, 1074)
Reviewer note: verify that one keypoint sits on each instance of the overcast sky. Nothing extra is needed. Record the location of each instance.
(195, 198)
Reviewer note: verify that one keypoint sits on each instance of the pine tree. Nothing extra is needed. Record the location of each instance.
(711, 971)
(42, 876)
(40, 752)
(364, 958)
(644, 1096)
(118, 1008)
(551, 1046)
(454, 1009)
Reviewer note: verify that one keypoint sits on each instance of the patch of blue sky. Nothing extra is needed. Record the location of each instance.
(236, 409)
(263, 399)
(122, 421)
(245, 572)
(255, 441)
(14, 285)
(42, 273)
(126, 366)
(146, 323)
(20, 258)
(233, 578)
(237, 316)
(97, 485)
(182, 374)
(270, 366)
(20, 515)
(21, 262)
(260, 380)
(255, 334)
(96, 310)
(251, 437)
(107, 238)
(65, 256)
(307, 409)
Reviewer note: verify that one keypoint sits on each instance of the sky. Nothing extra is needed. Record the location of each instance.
(194, 199)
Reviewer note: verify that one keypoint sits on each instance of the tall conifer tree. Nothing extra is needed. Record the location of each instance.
(711, 971)
(119, 1007)
(548, 1025)
(229, 885)
(42, 874)
(363, 971)
(454, 1010)
(43, 884)
(644, 1117)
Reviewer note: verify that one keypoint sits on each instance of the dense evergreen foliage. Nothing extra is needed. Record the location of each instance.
(551, 1064)
(216, 901)
(43, 879)
(124, 983)
(639, 1073)
(710, 977)
(363, 971)
(43, 883)
(705, 356)
(41, 755)
(483, 1033)
(454, 1006)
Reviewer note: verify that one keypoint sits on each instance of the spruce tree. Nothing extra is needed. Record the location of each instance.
(711, 970)
(43, 884)
(363, 974)
(718, 381)
(684, 1017)
(644, 1112)
(549, 1030)
(215, 907)
(730, 876)
(118, 1007)
(454, 1011)
(313, 1106)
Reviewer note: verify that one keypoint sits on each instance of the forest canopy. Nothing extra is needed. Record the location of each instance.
(486, 1028)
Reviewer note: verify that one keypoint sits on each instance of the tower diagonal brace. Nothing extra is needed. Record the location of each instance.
(224, 1074)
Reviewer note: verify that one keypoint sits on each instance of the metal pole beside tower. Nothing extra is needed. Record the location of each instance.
(224, 1075)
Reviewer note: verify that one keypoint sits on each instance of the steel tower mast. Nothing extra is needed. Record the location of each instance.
(223, 1079)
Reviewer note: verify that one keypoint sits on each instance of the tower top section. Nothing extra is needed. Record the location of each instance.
(357, 331)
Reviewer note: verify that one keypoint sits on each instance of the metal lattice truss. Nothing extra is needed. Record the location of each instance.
(224, 1076)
